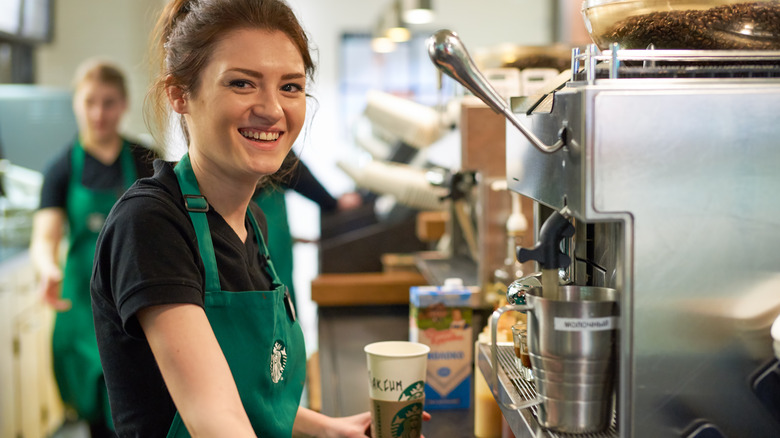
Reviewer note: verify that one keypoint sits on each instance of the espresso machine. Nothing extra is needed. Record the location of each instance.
(667, 163)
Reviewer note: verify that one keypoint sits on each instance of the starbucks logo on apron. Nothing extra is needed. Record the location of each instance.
(95, 222)
(278, 361)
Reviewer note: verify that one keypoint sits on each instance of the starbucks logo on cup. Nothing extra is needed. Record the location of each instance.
(278, 361)
(413, 392)
(407, 422)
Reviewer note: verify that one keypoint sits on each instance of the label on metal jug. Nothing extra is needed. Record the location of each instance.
(585, 324)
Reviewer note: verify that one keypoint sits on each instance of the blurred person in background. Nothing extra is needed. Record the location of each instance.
(294, 175)
(80, 186)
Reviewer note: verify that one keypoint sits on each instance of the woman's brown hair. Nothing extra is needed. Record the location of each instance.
(187, 31)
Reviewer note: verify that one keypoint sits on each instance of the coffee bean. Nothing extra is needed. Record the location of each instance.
(740, 26)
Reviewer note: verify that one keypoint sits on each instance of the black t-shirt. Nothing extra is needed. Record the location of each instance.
(147, 254)
(96, 175)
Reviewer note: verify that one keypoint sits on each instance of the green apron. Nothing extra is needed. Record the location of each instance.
(74, 346)
(256, 330)
(280, 242)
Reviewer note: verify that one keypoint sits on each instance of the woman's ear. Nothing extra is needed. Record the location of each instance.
(177, 96)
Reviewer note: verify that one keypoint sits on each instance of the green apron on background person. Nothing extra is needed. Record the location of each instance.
(256, 330)
(280, 242)
(75, 355)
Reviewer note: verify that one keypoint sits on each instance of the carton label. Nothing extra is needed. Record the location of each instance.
(448, 332)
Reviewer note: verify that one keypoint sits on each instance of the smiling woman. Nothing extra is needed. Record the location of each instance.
(183, 351)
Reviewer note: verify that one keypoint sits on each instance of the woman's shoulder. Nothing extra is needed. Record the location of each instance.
(152, 209)
(151, 196)
(161, 187)
(59, 164)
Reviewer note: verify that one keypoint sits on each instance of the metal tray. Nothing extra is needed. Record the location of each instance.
(513, 389)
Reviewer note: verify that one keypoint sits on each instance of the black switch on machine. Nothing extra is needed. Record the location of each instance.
(766, 386)
(704, 430)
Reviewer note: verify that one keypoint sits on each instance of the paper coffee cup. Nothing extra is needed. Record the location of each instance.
(396, 378)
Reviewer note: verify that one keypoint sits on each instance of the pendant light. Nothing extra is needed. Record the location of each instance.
(396, 29)
(380, 43)
(417, 11)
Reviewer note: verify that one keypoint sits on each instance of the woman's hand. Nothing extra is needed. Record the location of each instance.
(50, 287)
(355, 426)
(313, 424)
(47, 233)
(349, 201)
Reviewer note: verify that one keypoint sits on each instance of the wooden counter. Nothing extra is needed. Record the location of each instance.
(364, 289)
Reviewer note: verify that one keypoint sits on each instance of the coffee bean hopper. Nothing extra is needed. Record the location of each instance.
(667, 164)
(684, 24)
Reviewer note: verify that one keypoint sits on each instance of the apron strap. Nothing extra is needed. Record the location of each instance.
(128, 164)
(263, 248)
(288, 302)
(76, 163)
(197, 206)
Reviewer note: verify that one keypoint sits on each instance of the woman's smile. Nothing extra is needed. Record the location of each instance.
(262, 139)
(259, 135)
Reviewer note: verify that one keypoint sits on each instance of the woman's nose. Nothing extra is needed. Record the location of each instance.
(268, 106)
(96, 112)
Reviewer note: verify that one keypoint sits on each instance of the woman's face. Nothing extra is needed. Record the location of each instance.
(249, 105)
(99, 108)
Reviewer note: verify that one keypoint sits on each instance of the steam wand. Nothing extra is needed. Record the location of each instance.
(548, 252)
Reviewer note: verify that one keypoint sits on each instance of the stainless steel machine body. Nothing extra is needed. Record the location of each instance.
(673, 185)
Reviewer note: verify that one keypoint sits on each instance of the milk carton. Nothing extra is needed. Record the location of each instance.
(441, 317)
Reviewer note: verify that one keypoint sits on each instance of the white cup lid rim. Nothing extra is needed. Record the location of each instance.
(396, 349)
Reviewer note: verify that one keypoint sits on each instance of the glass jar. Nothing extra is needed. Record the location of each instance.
(522, 357)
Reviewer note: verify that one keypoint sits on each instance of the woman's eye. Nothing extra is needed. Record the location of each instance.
(292, 88)
(240, 83)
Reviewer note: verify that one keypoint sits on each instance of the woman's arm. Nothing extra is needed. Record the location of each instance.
(310, 424)
(195, 370)
(48, 229)
(305, 183)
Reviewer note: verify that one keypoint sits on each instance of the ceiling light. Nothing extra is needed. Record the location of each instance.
(382, 45)
(395, 28)
(398, 34)
(417, 11)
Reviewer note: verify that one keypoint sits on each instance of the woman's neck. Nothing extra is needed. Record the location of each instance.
(228, 196)
(106, 151)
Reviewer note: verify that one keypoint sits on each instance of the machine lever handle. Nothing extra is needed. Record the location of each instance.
(450, 56)
(548, 250)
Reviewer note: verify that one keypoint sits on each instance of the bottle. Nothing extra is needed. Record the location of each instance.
(487, 413)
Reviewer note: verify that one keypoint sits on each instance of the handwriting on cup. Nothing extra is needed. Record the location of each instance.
(396, 386)
(386, 384)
